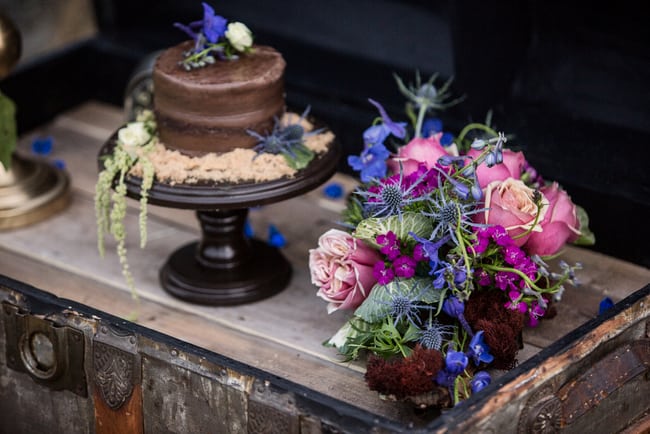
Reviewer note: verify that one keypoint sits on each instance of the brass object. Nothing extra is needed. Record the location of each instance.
(31, 191)
(10, 45)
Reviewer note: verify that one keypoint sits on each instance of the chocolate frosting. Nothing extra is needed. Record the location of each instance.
(209, 109)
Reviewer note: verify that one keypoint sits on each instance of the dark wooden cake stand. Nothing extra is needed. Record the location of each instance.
(225, 267)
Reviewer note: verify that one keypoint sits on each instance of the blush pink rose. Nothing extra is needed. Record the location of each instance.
(559, 225)
(512, 167)
(342, 269)
(510, 204)
(419, 150)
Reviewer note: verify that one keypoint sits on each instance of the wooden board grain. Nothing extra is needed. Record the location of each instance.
(282, 334)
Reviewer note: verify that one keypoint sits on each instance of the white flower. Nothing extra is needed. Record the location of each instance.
(239, 36)
(133, 136)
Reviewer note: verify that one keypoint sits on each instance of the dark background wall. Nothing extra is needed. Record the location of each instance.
(571, 80)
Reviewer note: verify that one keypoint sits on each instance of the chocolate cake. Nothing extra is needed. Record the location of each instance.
(209, 109)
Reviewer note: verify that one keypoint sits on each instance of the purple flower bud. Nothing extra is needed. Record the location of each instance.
(455, 362)
(453, 307)
(478, 144)
(481, 380)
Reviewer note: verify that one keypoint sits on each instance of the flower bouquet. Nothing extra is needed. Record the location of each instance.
(443, 255)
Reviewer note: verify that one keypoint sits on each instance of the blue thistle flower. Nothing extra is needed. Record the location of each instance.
(392, 196)
(451, 215)
(434, 334)
(405, 306)
(287, 140)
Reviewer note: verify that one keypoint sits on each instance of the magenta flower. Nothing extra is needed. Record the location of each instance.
(390, 245)
(404, 267)
(382, 274)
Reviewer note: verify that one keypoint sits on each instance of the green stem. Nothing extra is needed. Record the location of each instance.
(530, 283)
(475, 126)
(418, 124)
(530, 229)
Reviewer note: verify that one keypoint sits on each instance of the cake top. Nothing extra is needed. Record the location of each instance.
(259, 65)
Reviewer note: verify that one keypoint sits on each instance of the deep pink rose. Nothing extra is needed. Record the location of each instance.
(510, 204)
(512, 167)
(418, 150)
(342, 267)
(559, 226)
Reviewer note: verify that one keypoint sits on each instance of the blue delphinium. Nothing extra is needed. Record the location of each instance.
(480, 381)
(371, 163)
(478, 349)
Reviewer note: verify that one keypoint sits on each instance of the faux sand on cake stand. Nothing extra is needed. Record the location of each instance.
(224, 267)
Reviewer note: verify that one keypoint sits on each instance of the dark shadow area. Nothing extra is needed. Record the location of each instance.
(569, 80)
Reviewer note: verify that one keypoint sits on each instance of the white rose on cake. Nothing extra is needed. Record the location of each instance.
(132, 136)
(239, 36)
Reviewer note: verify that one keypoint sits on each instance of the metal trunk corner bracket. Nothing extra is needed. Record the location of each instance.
(116, 365)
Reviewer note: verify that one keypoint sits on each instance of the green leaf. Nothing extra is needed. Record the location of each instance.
(301, 157)
(7, 130)
(377, 306)
(586, 238)
(351, 337)
(368, 229)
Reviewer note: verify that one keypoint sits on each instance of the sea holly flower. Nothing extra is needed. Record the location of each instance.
(478, 349)
(434, 334)
(391, 196)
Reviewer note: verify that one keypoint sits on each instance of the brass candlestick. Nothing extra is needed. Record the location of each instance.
(30, 190)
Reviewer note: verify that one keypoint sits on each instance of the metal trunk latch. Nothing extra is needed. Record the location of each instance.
(52, 354)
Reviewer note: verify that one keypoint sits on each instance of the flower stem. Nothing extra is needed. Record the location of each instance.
(418, 124)
(475, 126)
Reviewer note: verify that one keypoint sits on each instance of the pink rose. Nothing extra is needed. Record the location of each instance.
(342, 267)
(510, 204)
(418, 150)
(559, 226)
(512, 167)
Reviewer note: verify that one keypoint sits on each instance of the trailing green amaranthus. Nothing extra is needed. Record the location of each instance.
(134, 142)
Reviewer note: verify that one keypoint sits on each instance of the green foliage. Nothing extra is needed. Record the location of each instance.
(299, 157)
(383, 338)
(586, 238)
(378, 304)
(7, 130)
(110, 198)
(368, 229)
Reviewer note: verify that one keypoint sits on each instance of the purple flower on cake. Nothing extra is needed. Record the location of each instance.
(214, 36)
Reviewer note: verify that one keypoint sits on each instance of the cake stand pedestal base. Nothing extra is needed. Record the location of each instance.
(225, 268)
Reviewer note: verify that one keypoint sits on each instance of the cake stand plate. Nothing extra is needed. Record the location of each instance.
(225, 267)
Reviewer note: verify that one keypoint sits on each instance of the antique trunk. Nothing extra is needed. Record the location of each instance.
(72, 361)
